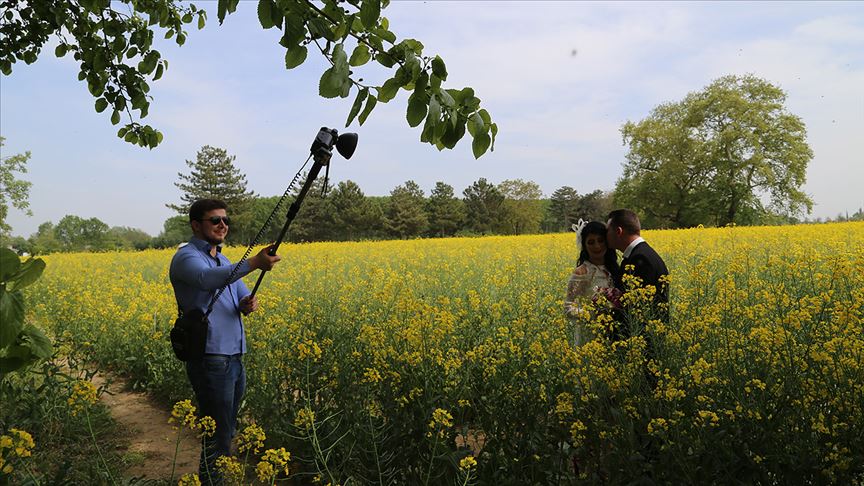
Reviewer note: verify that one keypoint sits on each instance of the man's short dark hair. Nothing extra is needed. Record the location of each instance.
(626, 220)
(203, 206)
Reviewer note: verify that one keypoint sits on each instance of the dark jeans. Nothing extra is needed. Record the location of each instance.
(219, 382)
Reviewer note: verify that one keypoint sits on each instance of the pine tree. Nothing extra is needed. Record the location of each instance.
(563, 210)
(406, 214)
(446, 212)
(354, 215)
(316, 219)
(484, 207)
(214, 176)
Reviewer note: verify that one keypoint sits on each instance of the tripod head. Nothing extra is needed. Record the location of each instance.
(327, 138)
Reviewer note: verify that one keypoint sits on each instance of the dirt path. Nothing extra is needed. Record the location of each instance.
(151, 438)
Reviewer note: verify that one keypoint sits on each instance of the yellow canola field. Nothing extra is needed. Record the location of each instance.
(362, 347)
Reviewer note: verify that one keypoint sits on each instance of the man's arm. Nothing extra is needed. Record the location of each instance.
(192, 270)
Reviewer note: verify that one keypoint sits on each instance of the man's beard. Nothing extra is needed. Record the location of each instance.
(215, 242)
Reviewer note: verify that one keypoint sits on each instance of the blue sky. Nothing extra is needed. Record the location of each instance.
(559, 78)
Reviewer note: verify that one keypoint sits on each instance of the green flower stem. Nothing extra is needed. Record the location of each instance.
(174, 460)
(96, 444)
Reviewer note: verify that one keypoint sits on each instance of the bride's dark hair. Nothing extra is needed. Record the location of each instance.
(610, 259)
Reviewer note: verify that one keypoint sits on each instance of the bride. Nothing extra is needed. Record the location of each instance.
(593, 275)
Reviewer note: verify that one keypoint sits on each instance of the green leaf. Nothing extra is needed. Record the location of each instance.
(388, 90)
(39, 344)
(265, 13)
(385, 59)
(60, 50)
(370, 10)
(132, 52)
(480, 144)
(29, 272)
(453, 133)
(476, 125)
(10, 263)
(115, 117)
(485, 116)
(438, 68)
(11, 317)
(416, 110)
(201, 20)
(295, 31)
(434, 111)
(360, 56)
(8, 365)
(334, 82)
(319, 27)
(222, 9)
(385, 34)
(358, 103)
(295, 56)
(494, 127)
(159, 70)
(370, 104)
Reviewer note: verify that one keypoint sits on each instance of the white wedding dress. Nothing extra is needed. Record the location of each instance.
(581, 288)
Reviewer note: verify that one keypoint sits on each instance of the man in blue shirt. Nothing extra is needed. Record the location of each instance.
(198, 270)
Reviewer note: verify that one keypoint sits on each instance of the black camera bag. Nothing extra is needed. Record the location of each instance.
(189, 335)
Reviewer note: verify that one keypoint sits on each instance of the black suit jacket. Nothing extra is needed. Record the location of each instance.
(648, 266)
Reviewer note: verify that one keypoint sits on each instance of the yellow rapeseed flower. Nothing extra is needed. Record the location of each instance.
(251, 439)
(189, 480)
(83, 396)
(467, 463)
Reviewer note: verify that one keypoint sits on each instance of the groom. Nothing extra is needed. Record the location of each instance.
(640, 260)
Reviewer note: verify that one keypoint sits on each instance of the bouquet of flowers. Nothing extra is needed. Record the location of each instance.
(608, 297)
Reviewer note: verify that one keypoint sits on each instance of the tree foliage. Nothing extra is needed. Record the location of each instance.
(484, 207)
(213, 175)
(406, 214)
(114, 44)
(355, 216)
(523, 206)
(75, 233)
(563, 209)
(13, 190)
(446, 212)
(714, 157)
(20, 343)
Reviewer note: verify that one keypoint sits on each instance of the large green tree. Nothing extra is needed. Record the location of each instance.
(446, 212)
(113, 44)
(175, 230)
(13, 191)
(78, 234)
(562, 210)
(406, 211)
(523, 206)
(731, 153)
(354, 215)
(484, 207)
(44, 241)
(316, 219)
(213, 175)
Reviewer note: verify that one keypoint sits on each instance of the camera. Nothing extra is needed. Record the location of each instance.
(327, 138)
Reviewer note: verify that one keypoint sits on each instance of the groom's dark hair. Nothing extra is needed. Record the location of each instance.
(626, 220)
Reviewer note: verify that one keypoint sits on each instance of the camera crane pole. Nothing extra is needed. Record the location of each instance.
(321, 151)
(321, 159)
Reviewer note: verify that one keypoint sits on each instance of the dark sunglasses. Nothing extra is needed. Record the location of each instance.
(214, 220)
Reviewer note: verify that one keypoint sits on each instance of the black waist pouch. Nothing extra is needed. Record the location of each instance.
(189, 335)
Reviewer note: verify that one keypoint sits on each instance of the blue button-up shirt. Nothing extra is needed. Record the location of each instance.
(196, 277)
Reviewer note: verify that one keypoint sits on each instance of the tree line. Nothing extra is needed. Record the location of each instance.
(345, 213)
(728, 154)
